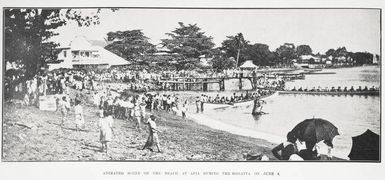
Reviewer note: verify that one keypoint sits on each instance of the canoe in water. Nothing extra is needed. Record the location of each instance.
(369, 93)
(238, 103)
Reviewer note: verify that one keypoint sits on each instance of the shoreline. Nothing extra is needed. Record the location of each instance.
(240, 131)
(42, 139)
(196, 138)
(215, 124)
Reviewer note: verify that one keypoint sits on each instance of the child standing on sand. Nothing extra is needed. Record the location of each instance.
(137, 115)
(184, 110)
(105, 125)
(153, 136)
(79, 116)
(197, 103)
(64, 106)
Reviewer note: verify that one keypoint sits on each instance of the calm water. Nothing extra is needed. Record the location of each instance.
(353, 115)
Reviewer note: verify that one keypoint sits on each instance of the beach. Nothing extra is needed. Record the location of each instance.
(33, 135)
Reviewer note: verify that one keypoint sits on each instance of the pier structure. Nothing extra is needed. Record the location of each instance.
(186, 83)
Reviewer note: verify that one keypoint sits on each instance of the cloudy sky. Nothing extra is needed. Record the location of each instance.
(322, 29)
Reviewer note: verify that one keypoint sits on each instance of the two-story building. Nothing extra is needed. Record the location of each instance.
(80, 53)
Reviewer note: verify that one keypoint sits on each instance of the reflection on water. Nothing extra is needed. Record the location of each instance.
(351, 114)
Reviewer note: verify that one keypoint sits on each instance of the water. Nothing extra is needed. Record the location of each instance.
(352, 115)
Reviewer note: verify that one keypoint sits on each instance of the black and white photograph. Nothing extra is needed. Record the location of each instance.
(191, 90)
(191, 84)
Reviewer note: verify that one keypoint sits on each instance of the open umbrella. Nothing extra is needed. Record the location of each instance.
(365, 146)
(315, 130)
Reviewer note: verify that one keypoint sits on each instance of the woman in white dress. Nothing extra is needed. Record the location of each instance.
(79, 117)
(137, 115)
(105, 125)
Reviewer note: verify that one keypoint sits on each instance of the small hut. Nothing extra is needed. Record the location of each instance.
(248, 65)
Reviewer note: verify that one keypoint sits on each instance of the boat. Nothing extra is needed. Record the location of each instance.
(318, 73)
(366, 93)
(238, 103)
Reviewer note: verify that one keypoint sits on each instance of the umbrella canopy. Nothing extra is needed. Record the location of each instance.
(365, 146)
(315, 130)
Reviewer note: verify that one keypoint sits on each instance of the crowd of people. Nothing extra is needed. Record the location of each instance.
(109, 91)
(139, 80)
(113, 106)
(126, 94)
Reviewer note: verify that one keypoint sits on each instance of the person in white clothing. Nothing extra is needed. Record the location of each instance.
(184, 111)
(153, 136)
(79, 116)
(137, 115)
(64, 106)
(106, 131)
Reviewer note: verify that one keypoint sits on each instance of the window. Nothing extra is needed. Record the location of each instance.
(75, 54)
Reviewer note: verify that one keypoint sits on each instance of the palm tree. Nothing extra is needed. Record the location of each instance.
(240, 42)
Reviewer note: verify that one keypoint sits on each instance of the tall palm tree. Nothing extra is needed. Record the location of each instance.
(240, 43)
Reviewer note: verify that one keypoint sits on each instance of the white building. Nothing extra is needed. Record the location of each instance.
(82, 54)
(309, 58)
(376, 58)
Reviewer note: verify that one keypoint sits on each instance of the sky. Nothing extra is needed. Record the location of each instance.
(322, 29)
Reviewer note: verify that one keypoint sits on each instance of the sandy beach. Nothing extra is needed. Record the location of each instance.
(33, 135)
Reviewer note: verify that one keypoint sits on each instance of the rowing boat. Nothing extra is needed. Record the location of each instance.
(369, 93)
(238, 103)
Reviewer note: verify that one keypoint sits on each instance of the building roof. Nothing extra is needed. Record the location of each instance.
(248, 64)
(111, 58)
(104, 57)
(81, 43)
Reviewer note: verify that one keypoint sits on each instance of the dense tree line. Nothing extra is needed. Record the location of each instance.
(28, 33)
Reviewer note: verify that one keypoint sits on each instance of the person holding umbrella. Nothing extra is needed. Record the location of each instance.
(312, 131)
(330, 147)
(287, 148)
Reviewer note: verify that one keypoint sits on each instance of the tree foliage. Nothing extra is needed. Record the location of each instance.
(258, 53)
(341, 51)
(285, 53)
(28, 31)
(303, 50)
(362, 58)
(330, 52)
(235, 46)
(220, 61)
(188, 41)
(131, 44)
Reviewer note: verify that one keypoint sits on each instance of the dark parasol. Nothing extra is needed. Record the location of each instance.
(365, 146)
(315, 130)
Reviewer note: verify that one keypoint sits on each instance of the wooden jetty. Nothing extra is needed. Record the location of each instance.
(185, 84)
